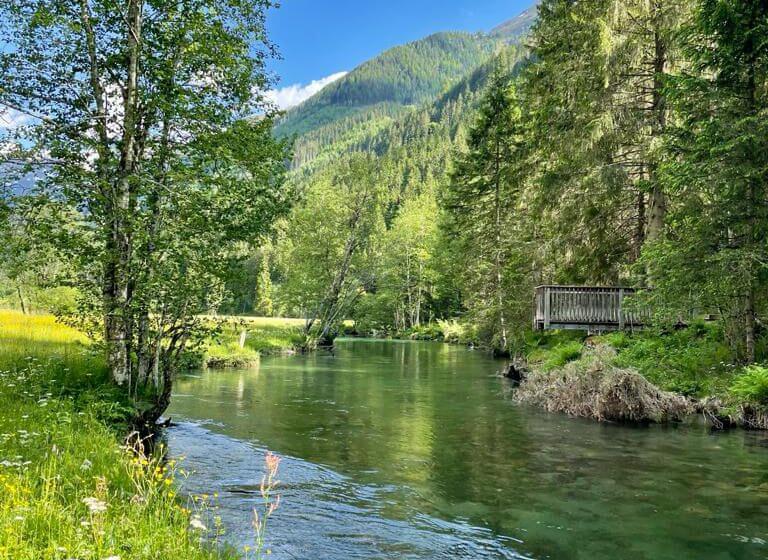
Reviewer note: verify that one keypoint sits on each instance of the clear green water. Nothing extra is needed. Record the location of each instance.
(416, 450)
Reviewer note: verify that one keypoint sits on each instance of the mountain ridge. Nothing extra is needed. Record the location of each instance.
(401, 77)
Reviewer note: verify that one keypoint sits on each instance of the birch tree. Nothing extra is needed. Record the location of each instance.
(137, 119)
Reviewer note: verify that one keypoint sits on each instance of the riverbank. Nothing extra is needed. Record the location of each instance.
(653, 375)
(648, 376)
(241, 340)
(70, 489)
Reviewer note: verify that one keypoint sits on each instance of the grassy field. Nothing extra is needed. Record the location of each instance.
(264, 335)
(68, 488)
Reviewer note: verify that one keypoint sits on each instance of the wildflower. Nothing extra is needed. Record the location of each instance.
(273, 462)
(95, 505)
(86, 466)
(273, 505)
(196, 523)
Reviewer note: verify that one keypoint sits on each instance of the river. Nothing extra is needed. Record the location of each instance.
(416, 450)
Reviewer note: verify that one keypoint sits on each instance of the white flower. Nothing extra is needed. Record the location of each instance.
(86, 466)
(95, 505)
(196, 523)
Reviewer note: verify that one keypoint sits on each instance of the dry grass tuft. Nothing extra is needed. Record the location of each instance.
(592, 387)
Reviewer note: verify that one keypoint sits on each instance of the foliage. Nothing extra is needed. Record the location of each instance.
(263, 336)
(329, 245)
(487, 237)
(558, 355)
(140, 129)
(714, 258)
(458, 332)
(694, 361)
(752, 385)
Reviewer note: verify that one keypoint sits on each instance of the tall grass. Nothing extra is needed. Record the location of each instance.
(68, 489)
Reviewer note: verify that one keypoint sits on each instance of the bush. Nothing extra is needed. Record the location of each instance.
(694, 361)
(555, 349)
(752, 385)
(432, 331)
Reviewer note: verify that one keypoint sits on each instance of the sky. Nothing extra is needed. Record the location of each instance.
(320, 40)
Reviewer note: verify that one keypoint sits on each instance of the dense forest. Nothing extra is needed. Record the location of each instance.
(619, 143)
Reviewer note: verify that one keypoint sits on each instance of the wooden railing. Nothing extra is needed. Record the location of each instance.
(585, 308)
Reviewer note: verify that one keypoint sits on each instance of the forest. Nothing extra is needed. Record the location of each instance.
(614, 145)
(172, 219)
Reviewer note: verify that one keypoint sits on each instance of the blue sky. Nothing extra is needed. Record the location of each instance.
(319, 39)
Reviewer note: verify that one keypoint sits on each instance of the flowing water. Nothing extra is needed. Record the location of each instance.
(417, 450)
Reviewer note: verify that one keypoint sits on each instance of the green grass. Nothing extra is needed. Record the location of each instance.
(68, 489)
(264, 335)
(694, 361)
(549, 350)
(751, 386)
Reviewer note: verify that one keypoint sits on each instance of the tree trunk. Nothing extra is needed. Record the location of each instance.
(749, 325)
(498, 263)
(657, 211)
(117, 318)
(21, 300)
(754, 202)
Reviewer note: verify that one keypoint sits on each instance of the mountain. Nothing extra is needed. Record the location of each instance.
(406, 75)
(350, 112)
(518, 26)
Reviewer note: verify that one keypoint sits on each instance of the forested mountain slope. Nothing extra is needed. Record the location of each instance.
(376, 93)
(374, 153)
(405, 75)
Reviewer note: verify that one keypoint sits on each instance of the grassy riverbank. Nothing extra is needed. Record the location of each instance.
(659, 365)
(263, 336)
(69, 488)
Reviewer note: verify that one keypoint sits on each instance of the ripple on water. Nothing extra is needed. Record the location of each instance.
(323, 514)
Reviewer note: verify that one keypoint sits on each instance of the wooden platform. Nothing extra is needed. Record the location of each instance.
(589, 308)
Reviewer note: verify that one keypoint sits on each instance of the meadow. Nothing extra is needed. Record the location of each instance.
(69, 486)
(263, 336)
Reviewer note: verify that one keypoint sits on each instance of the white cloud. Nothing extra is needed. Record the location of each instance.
(289, 96)
(10, 118)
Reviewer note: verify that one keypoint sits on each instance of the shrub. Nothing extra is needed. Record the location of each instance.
(752, 385)
(456, 332)
(431, 331)
(694, 361)
(558, 355)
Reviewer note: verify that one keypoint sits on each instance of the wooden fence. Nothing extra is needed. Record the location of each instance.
(585, 308)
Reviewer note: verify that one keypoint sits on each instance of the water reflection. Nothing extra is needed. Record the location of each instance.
(414, 450)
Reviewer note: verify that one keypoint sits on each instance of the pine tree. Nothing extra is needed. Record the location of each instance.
(483, 192)
(717, 257)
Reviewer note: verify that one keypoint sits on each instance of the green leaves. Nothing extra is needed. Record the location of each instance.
(752, 385)
(142, 110)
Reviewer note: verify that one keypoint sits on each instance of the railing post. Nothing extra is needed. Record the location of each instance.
(546, 307)
(621, 309)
